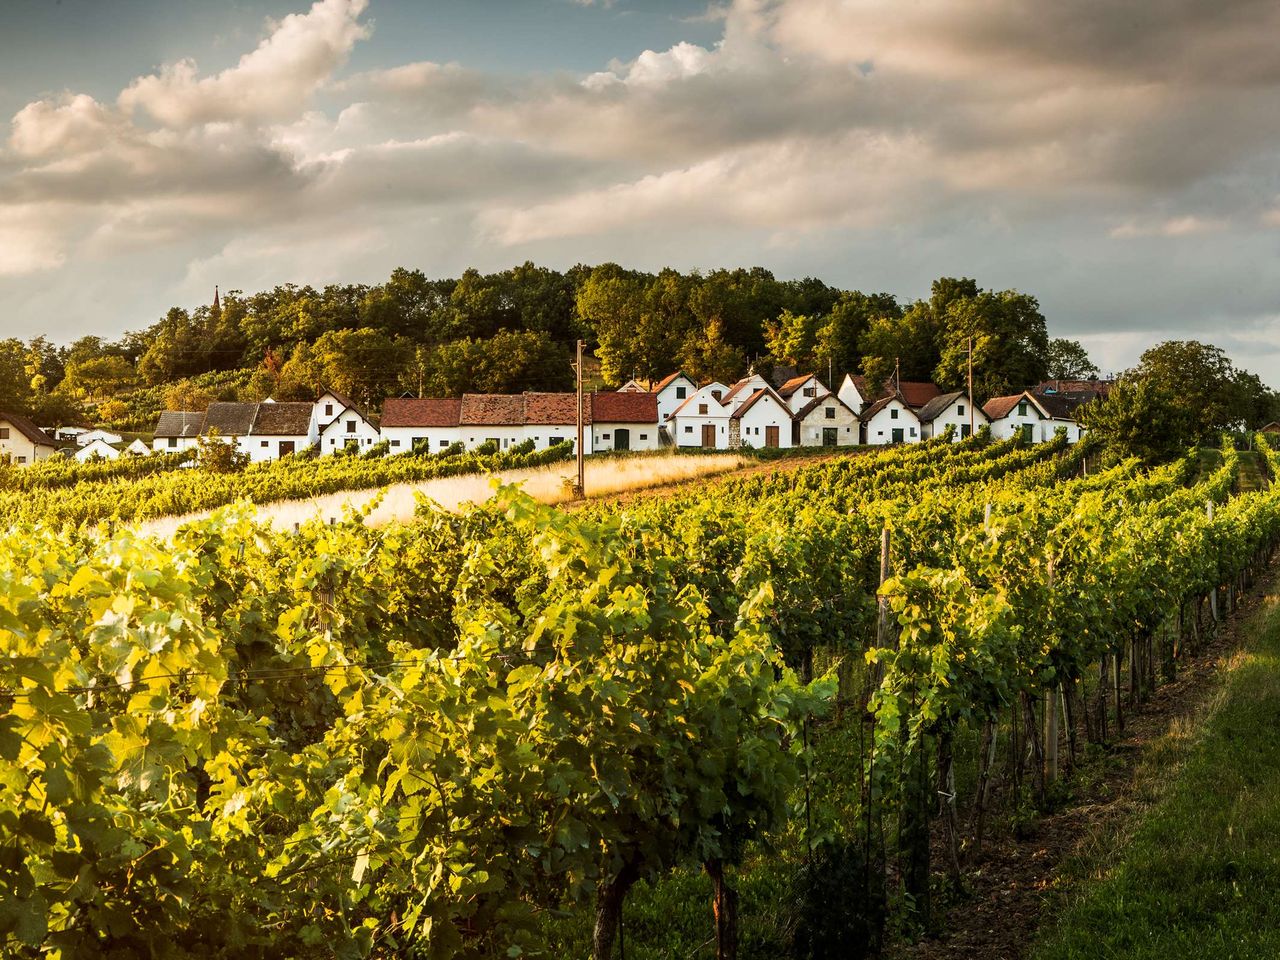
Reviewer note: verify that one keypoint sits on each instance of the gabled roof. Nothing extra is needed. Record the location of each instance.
(430, 412)
(998, 407)
(755, 398)
(671, 378)
(813, 404)
(492, 410)
(743, 384)
(283, 419)
(336, 421)
(794, 384)
(722, 402)
(1081, 389)
(633, 386)
(28, 429)
(179, 423)
(341, 398)
(624, 407)
(883, 402)
(939, 404)
(230, 419)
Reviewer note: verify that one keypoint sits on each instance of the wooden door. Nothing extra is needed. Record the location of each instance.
(622, 439)
(898, 435)
(709, 435)
(770, 436)
(830, 436)
(286, 447)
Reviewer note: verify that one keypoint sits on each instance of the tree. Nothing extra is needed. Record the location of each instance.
(185, 395)
(793, 339)
(1200, 382)
(1010, 343)
(706, 357)
(364, 364)
(632, 322)
(843, 328)
(100, 378)
(220, 455)
(908, 342)
(1141, 417)
(510, 362)
(15, 380)
(1068, 360)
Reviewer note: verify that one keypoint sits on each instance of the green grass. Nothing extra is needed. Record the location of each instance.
(1251, 475)
(1200, 875)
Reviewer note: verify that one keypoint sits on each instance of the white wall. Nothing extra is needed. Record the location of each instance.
(18, 448)
(401, 438)
(263, 448)
(604, 436)
(798, 399)
(335, 436)
(880, 427)
(669, 398)
(850, 395)
(686, 425)
(953, 416)
(162, 444)
(97, 449)
(767, 411)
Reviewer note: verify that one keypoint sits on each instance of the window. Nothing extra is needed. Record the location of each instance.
(22, 459)
(333, 442)
(960, 409)
(1022, 409)
(644, 436)
(173, 442)
(444, 443)
(264, 443)
(913, 431)
(328, 409)
(681, 392)
(689, 428)
(716, 394)
(810, 391)
(893, 413)
(351, 426)
(831, 413)
(702, 409)
(879, 433)
(395, 443)
(604, 436)
(4, 433)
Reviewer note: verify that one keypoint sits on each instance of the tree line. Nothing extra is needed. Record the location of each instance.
(515, 330)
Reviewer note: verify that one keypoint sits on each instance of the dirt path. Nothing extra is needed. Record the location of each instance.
(1009, 892)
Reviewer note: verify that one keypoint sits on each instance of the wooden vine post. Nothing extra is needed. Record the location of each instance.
(1213, 594)
(1051, 717)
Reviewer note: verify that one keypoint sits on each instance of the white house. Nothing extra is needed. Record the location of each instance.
(744, 390)
(633, 386)
(1019, 414)
(1062, 411)
(858, 394)
(177, 430)
(328, 407)
(429, 425)
(97, 449)
(825, 421)
(953, 409)
(88, 436)
(67, 434)
(623, 421)
(799, 392)
(137, 449)
(702, 420)
(278, 430)
(349, 429)
(673, 390)
(762, 420)
(22, 441)
(891, 420)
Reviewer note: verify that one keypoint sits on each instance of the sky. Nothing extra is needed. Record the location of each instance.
(1119, 161)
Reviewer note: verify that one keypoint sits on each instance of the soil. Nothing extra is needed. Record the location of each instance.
(1008, 894)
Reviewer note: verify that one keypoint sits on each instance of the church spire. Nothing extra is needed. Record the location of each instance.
(216, 305)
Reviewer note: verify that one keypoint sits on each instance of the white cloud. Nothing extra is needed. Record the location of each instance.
(274, 82)
(1184, 226)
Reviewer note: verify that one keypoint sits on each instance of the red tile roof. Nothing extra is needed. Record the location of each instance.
(432, 412)
(916, 394)
(492, 410)
(624, 407)
(794, 384)
(666, 381)
(559, 409)
(998, 407)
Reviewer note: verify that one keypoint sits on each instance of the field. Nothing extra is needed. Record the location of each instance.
(784, 715)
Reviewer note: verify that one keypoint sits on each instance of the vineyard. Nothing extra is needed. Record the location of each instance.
(491, 733)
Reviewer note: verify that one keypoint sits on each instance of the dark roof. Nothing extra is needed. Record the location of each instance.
(1271, 427)
(179, 423)
(938, 405)
(492, 409)
(1076, 389)
(283, 419)
(559, 409)
(432, 412)
(230, 419)
(28, 430)
(624, 407)
(1061, 407)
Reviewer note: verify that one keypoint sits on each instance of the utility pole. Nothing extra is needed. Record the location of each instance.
(971, 420)
(580, 490)
(897, 374)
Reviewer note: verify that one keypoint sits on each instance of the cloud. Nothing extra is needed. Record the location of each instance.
(274, 82)
(1184, 226)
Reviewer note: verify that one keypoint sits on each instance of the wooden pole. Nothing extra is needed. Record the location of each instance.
(1050, 717)
(971, 413)
(577, 369)
(1213, 594)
